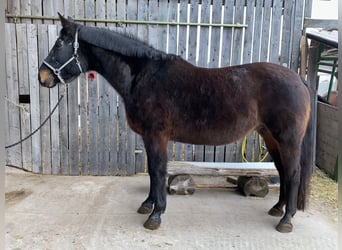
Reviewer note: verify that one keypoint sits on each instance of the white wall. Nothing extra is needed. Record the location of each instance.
(324, 9)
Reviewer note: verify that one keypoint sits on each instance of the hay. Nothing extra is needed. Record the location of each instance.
(324, 194)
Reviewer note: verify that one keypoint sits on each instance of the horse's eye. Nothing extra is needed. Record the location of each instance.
(59, 42)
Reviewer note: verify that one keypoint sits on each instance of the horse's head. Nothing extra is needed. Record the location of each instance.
(65, 60)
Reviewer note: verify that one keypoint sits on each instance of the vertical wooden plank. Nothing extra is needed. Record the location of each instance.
(56, 156)
(237, 33)
(313, 55)
(25, 131)
(69, 8)
(21, 32)
(132, 14)
(34, 94)
(286, 33)
(80, 9)
(25, 10)
(43, 44)
(266, 27)
(227, 33)
(257, 31)
(172, 17)
(182, 41)
(103, 127)
(193, 32)
(36, 9)
(110, 10)
(122, 163)
(113, 120)
(142, 15)
(13, 155)
(204, 34)
(297, 20)
(48, 10)
(248, 40)
(275, 31)
(188, 152)
(93, 126)
(84, 143)
(153, 29)
(121, 14)
(163, 12)
(14, 6)
(215, 35)
(308, 8)
(89, 10)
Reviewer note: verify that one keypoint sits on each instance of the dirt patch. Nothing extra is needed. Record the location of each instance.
(16, 196)
(324, 194)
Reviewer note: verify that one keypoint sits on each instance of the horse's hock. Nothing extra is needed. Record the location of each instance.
(251, 179)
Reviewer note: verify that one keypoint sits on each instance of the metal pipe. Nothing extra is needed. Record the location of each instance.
(224, 25)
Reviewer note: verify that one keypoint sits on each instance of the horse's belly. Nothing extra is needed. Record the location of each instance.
(202, 136)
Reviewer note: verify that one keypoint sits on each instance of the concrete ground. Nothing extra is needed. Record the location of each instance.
(56, 212)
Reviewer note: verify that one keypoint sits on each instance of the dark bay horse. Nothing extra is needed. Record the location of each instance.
(167, 98)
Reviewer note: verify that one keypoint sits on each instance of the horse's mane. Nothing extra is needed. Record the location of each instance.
(121, 43)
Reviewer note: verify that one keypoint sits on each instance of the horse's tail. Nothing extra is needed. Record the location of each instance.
(306, 163)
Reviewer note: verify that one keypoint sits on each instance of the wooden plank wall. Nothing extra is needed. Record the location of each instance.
(327, 137)
(88, 133)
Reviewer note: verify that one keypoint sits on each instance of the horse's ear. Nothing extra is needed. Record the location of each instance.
(64, 21)
(68, 24)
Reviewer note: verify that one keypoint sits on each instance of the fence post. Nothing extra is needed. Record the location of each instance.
(312, 83)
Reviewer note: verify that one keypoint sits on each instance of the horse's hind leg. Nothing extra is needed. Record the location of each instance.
(156, 149)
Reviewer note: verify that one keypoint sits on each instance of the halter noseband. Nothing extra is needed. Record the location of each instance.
(57, 71)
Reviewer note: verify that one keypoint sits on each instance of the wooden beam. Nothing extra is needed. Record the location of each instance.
(265, 169)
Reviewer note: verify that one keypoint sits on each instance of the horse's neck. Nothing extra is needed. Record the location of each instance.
(113, 68)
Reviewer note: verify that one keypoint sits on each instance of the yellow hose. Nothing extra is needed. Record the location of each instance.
(261, 156)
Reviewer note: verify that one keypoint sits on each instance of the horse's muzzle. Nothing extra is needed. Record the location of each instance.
(46, 77)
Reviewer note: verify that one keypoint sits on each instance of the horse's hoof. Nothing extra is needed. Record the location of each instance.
(276, 212)
(144, 209)
(284, 227)
(152, 224)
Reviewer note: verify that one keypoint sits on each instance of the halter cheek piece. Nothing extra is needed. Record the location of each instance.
(57, 71)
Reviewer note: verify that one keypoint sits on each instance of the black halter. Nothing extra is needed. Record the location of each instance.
(57, 71)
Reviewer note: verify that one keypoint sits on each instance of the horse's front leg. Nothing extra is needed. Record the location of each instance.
(291, 163)
(156, 149)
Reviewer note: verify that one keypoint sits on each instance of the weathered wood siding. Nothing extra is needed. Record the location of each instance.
(88, 133)
(327, 137)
